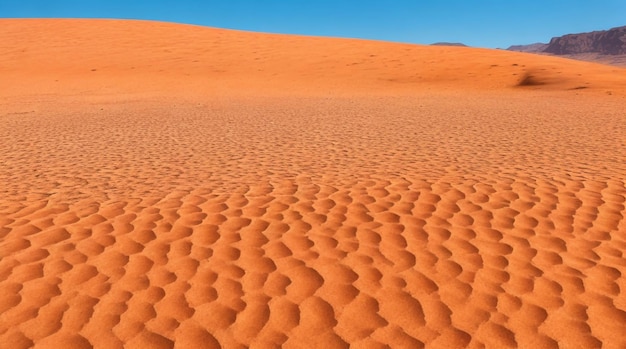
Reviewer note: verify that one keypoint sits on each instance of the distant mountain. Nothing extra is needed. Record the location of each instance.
(536, 47)
(603, 46)
(448, 44)
(606, 42)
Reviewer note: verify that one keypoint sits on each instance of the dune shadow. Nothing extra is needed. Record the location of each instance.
(529, 79)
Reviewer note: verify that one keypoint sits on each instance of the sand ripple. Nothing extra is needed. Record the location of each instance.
(171, 186)
(323, 223)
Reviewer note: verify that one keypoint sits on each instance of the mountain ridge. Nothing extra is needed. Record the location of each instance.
(601, 46)
(608, 42)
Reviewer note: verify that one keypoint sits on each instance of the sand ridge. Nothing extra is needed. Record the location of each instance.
(324, 207)
(97, 57)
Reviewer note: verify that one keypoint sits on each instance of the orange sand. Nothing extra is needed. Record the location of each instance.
(164, 186)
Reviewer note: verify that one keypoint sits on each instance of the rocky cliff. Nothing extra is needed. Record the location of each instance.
(607, 42)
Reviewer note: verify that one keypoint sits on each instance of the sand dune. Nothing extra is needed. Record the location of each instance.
(165, 186)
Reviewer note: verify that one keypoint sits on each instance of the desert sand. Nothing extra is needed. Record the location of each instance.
(165, 185)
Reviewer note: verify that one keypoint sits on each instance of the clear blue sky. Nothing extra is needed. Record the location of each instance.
(484, 23)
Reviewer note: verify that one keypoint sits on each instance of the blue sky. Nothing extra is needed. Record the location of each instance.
(483, 23)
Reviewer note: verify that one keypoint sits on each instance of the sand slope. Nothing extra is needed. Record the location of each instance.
(170, 186)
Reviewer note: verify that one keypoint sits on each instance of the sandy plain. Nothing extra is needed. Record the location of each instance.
(164, 185)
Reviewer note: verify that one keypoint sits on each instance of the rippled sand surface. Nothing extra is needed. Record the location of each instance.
(170, 186)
